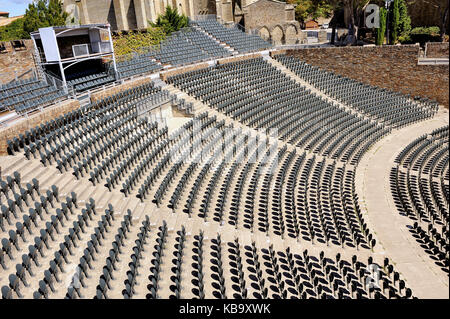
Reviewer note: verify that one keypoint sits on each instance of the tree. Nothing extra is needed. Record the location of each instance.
(13, 31)
(382, 29)
(171, 21)
(40, 14)
(395, 21)
(55, 14)
(400, 22)
(404, 22)
(353, 10)
(44, 13)
(311, 9)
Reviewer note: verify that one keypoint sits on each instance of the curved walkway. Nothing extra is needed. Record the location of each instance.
(425, 278)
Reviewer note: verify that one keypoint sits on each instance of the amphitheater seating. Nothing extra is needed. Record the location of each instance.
(24, 96)
(45, 234)
(265, 181)
(233, 37)
(137, 65)
(385, 106)
(90, 81)
(205, 43)
(419, 185)
(186, 46)
(120, 151)
(249, 92)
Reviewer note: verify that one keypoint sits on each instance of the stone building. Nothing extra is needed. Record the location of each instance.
(270, 18)
(274, 20)
(131, 14)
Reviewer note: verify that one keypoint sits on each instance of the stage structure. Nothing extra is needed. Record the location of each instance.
(66, 53)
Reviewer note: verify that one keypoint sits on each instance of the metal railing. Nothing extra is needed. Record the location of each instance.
(86, 49)
(57, 83)
(433, 61)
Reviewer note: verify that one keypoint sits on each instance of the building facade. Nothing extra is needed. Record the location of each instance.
(271, 19)
(274, 20)
(131, 14)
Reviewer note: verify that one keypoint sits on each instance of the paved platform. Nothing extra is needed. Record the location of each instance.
(425, 278)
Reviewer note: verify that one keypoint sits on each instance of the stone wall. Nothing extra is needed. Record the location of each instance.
(392, 67)
(132, 14)
(240, 58)
(273, 19)
(102, 12)
(265, 13)
(25, 124)
(170, 73)
(14, 63)
(436, 50)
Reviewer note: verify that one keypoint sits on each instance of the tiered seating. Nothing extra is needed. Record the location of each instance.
(205, 43)
(110, 146)
(68, 143)
(182, 47)
(17, 84)
(249, 91)
(138, 65)
(186, 46)
(121, 257)
(27, 95)
(383, 105)
(41, 232)
(213, 209)
(91, 81)
(235, 38)
(421, 192)
(177, 49)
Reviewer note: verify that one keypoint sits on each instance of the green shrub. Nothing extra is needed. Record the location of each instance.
(425, 34)
(13, 31)
(381, 31)
(40, 13)
(426, 30)
(137, 41)
(171, 21)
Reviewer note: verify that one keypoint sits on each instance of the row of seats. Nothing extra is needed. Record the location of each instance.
(385, 106)
(16, 87)
(47, 96)
(205, 43)
(90, 81)
(186, 46)
(137, 65)
(30, 95)
(248, 91)
(238, 40)
(110, 146)
(76, 251)
(420, 188)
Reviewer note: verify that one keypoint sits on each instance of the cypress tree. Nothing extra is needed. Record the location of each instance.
(404, 22)
(395, 21)
(382, 29)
